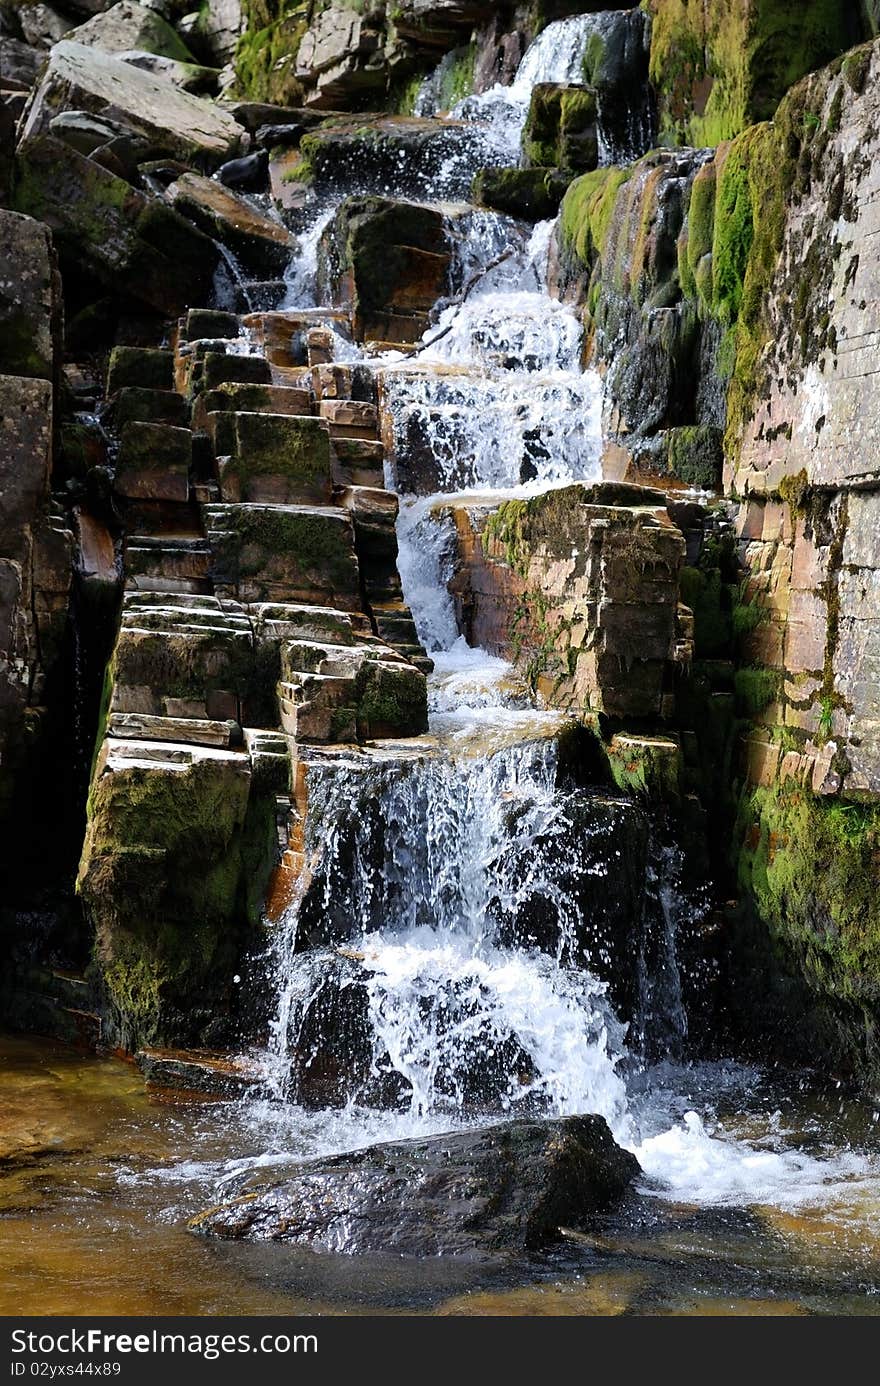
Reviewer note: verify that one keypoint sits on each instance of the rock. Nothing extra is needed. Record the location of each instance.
(253, 114)
(532, 194)
(208, 322)
(504, 1189)
(7, 160)
(41, 25)
(276, 458)
(89, 133)
(29, 298)
(387, 262)
(659, 352)
(602, 572)
(19, 62)
(191, 77)
(335, 52)
(176, 124)
(286, 553)
(133, 404)
(217, 30)
(166, 875)
(560, 129)
(250, 174)
(25, 462)
(149, 368)
(130, 242)
(154, 462)
(738, 65)
(127, 25)
(616, 66)
(403, 155)
(264, 246)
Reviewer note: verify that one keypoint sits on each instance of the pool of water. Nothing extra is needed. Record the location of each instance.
(98, 1178)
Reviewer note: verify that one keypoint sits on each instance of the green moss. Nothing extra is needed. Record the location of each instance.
(265, 57)
(587, 212)
(530, 193)
(700, 234)
(458, 81)
(809, 865)
(746, 617)
(646, 767)
(695, 455)
(391, 701)
(855, 68)
(718, 68)
(756, 689)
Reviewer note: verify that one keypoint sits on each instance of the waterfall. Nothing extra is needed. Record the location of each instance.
(475, 930)
(608, 49)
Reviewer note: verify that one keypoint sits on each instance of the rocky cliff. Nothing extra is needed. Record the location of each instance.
(199, 588)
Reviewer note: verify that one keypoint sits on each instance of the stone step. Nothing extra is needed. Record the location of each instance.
(319, 707)
(134, 404)
(291, 620)
(123, 753)
(208, 322)
(358, 461)
(154, 462)
(146, 582)
(166, 518)
(148, 367)
(269, 399)
(180, 602)
(272, 459)
(349, 418)
(196, 1073)
(197, 731)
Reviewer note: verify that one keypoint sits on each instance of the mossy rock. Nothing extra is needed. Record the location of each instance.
(560, 128)
(718, 68)
(532, 194)
(147, 368)
(175, 859)
(646, 766)
(695, 455)
(808, 867)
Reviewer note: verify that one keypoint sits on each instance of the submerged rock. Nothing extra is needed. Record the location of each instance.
(506, 1188)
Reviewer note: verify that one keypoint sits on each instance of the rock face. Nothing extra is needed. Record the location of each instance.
(387, 263)
(35, 546)
(175, 123)
(262, 613)
(729, 297)
(507, 1189)
(718, 68)
(580, 589)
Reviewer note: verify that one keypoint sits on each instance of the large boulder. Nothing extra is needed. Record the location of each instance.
(29, 298)
(129, 241)
(176, 123)
(387, 262)
(580, 588)
(505, 1189)
(127, 25)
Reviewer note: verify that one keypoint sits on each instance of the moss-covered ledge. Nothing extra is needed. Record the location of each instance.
(178, 850)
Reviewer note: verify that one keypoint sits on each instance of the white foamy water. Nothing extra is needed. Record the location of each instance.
(423, 859)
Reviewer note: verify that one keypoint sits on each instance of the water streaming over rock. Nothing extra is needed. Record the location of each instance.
(475, 931)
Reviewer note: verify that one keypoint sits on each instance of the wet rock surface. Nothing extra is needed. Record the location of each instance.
(507, 1189)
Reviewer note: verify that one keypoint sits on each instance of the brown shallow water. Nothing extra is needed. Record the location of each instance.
(98, 1177)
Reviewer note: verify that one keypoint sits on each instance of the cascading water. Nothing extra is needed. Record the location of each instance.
(454, 953)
